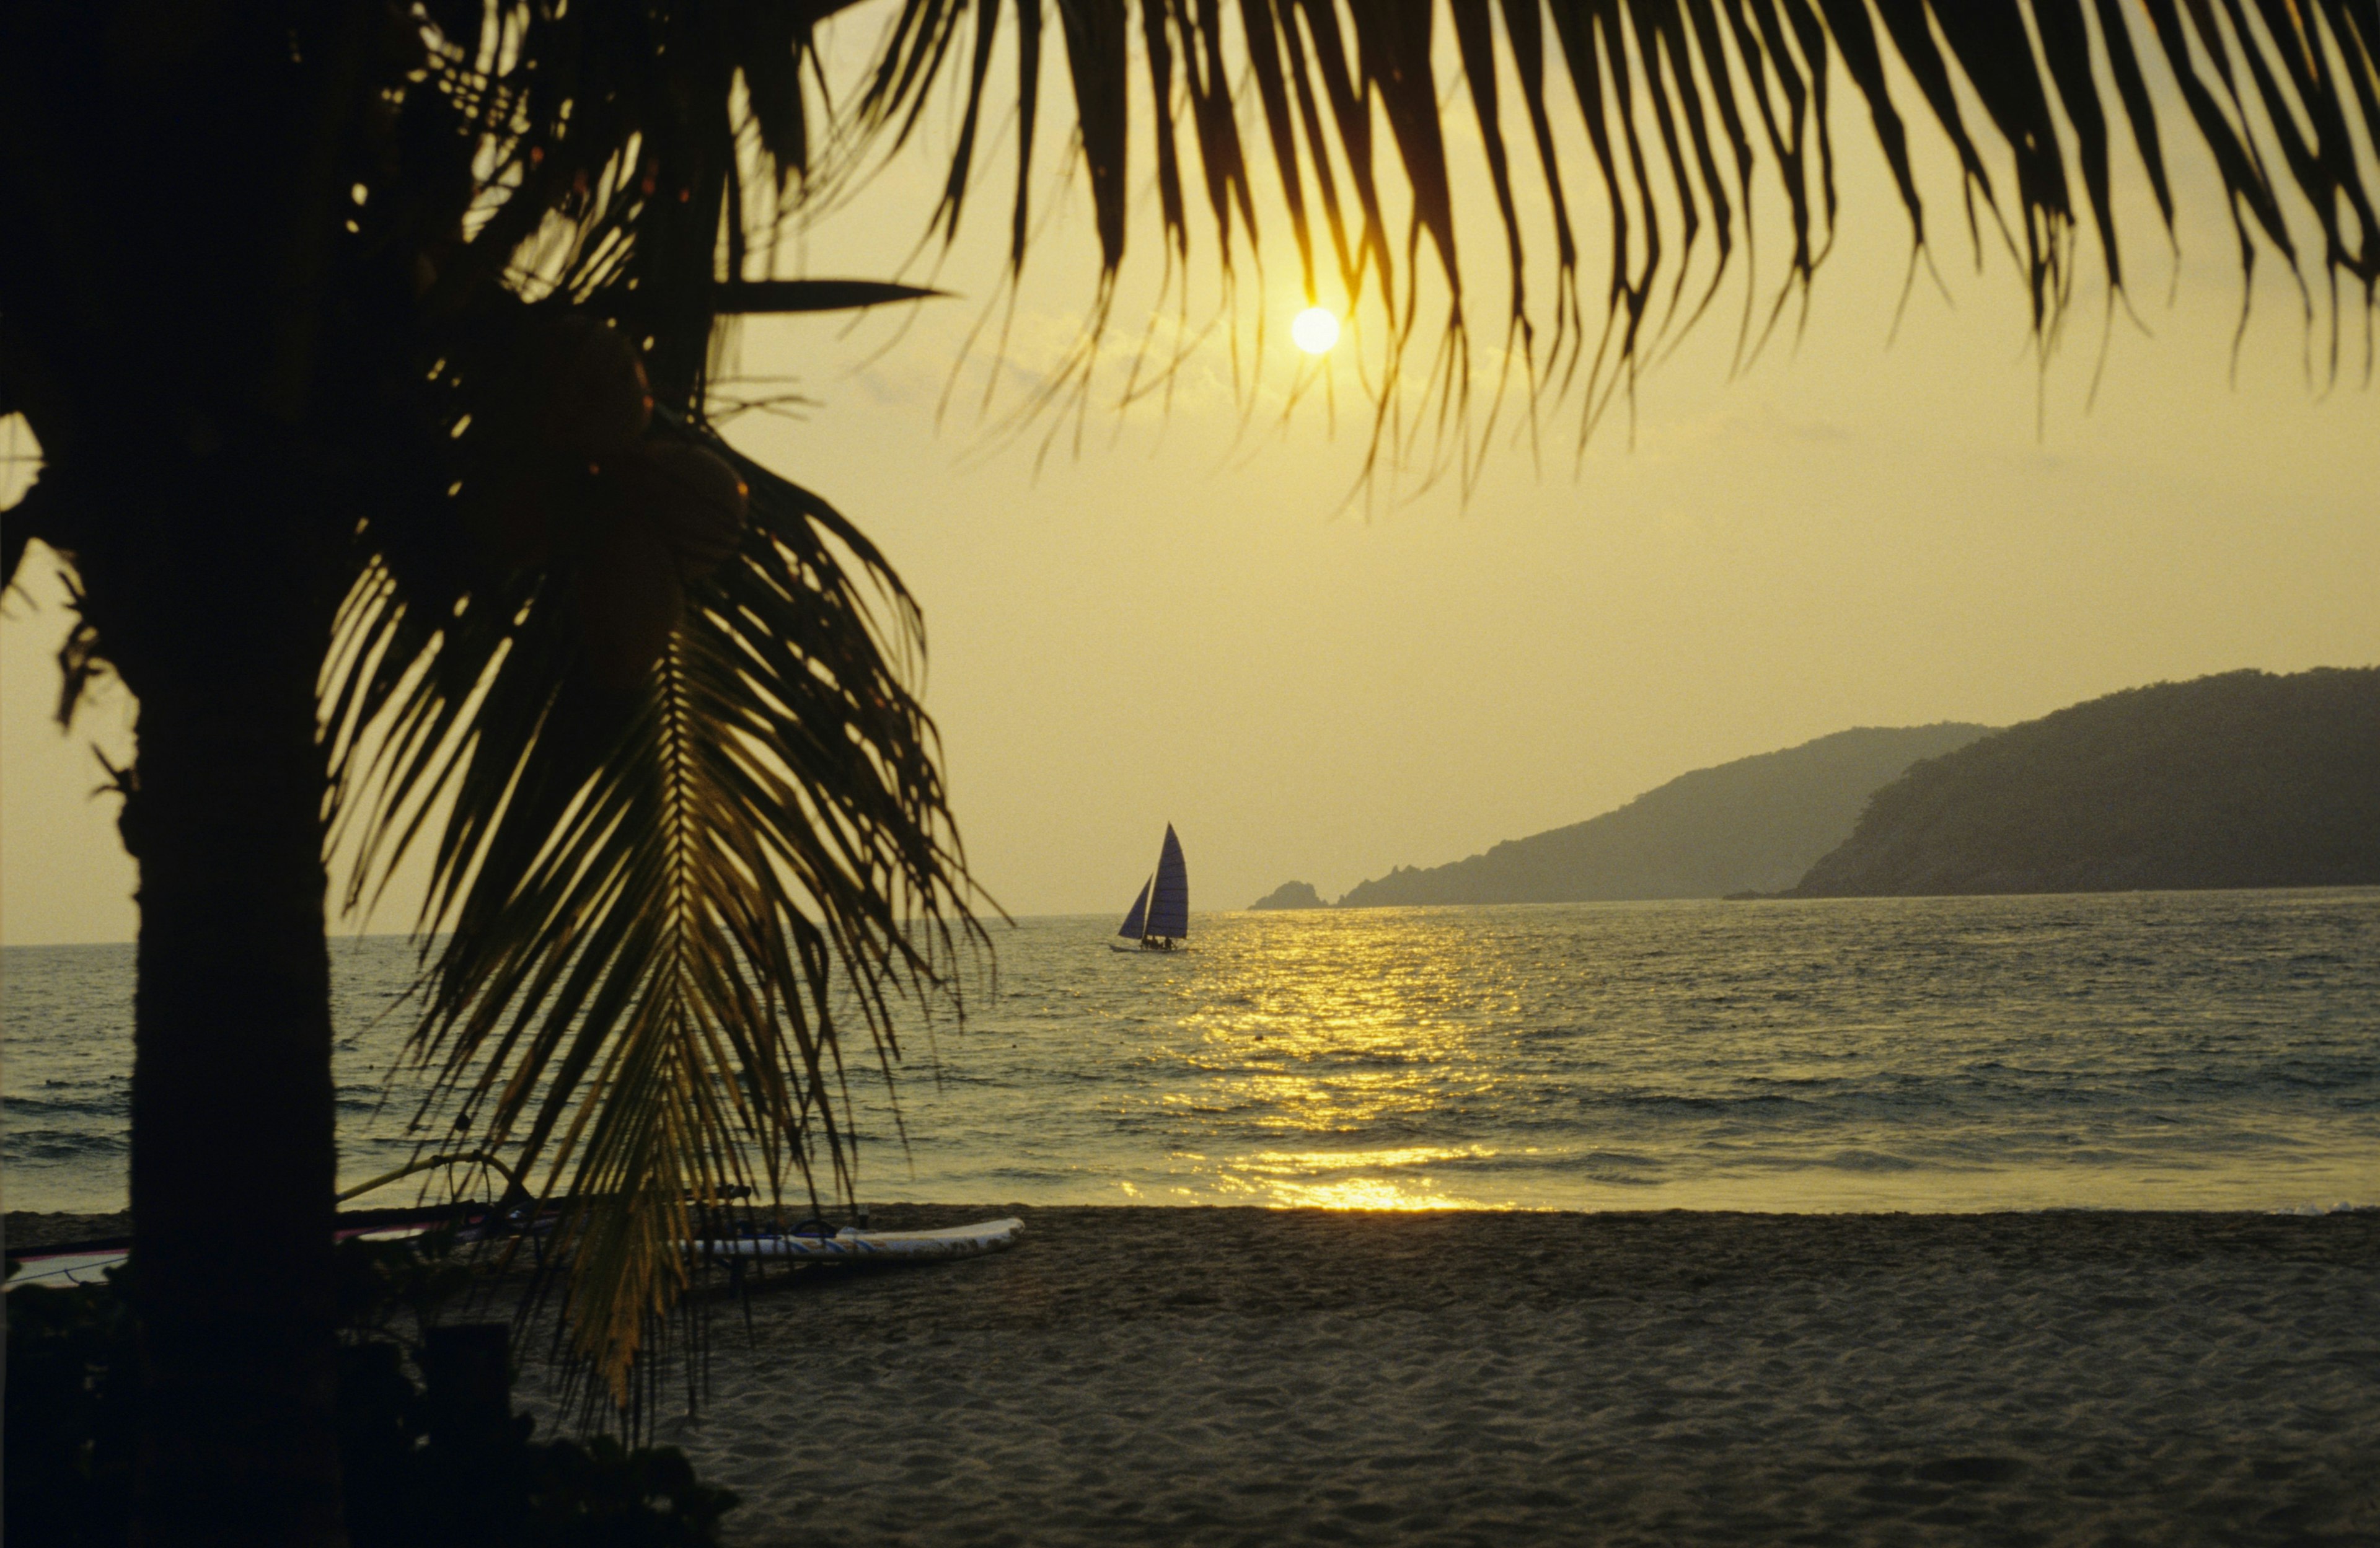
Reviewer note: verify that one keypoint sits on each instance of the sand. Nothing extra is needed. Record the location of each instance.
(30, 1231)
(1202, 1376)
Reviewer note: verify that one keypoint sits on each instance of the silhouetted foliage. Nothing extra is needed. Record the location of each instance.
(2243, 780)
(1692, 110)
(73, 1394)
(416, 1472)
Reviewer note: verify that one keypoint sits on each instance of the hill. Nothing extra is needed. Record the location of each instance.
(2246, 780)
(1291, 894)
(1757, 823)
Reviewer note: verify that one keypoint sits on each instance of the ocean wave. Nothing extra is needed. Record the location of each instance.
(39, 1147)
(2218, 1050)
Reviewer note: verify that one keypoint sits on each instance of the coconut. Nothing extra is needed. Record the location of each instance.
(518, 509)
(587, 382)
(629, 601)
(695, 499)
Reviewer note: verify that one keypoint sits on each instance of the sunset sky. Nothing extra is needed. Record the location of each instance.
(1197, 618)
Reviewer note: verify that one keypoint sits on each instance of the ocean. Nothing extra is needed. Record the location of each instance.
(2209, 1050)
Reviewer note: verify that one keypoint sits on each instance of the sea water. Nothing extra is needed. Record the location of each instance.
(2210, 1050)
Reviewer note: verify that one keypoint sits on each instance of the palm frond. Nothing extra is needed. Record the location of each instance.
(657, 898)
(751, 297)
(616, 174)
(1692, 109)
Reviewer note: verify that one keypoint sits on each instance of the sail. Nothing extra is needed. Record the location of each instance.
(1139, 911)
(1169, 903)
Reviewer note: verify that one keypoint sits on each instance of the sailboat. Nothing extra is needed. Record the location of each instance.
(1159, 920)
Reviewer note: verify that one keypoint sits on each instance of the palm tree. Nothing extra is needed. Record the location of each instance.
(366, 343)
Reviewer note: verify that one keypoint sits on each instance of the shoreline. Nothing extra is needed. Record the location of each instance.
(45, 1230)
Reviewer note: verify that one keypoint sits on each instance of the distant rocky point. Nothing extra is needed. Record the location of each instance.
(1752, 825)
(2246, 780)
(1291, 894)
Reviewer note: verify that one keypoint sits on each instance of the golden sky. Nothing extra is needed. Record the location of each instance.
(1186, 620)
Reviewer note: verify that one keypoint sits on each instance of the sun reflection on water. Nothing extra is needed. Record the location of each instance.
(1323, 1035)
(1941, 1054)
(1343, 1034)
(1353, 1179)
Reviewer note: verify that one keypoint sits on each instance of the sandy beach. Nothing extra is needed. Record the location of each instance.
(1218, 1376)
(1244, 1376)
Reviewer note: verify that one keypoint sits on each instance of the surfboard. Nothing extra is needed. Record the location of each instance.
(64, 1270)
(61, 1270)
(849, 1245)
(853, 1245)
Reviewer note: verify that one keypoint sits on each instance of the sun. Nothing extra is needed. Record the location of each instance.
(1316, 329)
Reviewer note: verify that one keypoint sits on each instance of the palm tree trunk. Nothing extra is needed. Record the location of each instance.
(216, 617)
